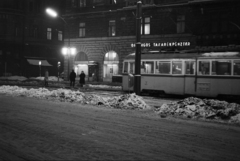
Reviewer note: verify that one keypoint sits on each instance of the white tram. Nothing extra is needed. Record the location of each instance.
(207, 74)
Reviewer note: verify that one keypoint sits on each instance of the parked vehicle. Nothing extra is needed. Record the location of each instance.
(207, 74)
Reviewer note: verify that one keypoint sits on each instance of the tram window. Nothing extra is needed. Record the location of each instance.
(203, 67)
(236, 66)
(221, 67)
(132, 68)
(163, 67)
(147, 67)
(189, 67)
(176, 67)
(125, 68)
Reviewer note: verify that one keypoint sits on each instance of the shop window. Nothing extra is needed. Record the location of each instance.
(221, 67)
(112, 28)
(163, 67)
(236, 67)
(111, 67)
(82, 29)
(60, 35)
(189, 67)
(180, 24)
(176, 67)
(145, 26)
(147, 67)
(49, 33)
(204, 67)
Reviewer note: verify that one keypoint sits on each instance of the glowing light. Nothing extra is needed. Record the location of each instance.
(51, 12)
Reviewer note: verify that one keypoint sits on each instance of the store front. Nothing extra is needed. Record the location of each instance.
(111, 66)
(90, 68)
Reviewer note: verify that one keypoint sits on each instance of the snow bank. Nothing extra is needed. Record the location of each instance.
(202, 108)
(16, 78)
(103, 86)
(128, 101)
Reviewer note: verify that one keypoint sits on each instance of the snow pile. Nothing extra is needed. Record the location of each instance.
(50, 78)
(128, 101)
(202, 108)
(15, 78)
(103, 86)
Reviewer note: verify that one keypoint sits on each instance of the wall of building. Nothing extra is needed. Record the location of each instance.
(205, 26)
(23, 35)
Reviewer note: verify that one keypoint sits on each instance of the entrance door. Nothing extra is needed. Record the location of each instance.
(111, 66)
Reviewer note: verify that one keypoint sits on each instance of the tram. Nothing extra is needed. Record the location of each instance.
(207, 74)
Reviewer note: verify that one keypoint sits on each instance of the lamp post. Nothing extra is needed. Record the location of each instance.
(40, 63)
(59, 64)
(66, 51)
(137, 76)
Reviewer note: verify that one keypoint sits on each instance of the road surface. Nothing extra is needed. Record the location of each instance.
(33, 129)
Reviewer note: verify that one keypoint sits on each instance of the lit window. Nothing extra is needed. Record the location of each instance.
(176, 67)
(163, 67)
(145, 26)
(112, 28)
(82, 29)
(181, 24)
(221, 67)
(189, 67)
(147, 67)
(236, 67)
(82, 3)
(60, 36)
(204, 67)
(112, 1)
(49, 33)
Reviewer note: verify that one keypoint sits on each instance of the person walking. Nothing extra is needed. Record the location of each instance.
(82, 79)
(72, 78)
(46, 78)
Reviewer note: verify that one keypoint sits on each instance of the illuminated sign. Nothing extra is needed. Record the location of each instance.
(163, 44)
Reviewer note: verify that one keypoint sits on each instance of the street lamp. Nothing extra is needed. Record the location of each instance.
(67, 51)
(40, 63)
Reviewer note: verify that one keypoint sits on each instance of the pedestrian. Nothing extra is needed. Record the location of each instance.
(46, 78)
(72, 78)
(82, 79)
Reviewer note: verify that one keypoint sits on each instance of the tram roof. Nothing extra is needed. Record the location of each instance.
(211, 55)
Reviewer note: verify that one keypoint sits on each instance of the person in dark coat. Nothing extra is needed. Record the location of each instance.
(46, 78)
(72, 78)
(82, 79)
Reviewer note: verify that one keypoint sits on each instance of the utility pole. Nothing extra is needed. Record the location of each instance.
(137, 76)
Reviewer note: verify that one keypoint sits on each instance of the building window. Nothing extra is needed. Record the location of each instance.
(112, 1)
(17, 31)
(134, 2)
(35, 32)
(145, 26)
(60, 35)
(82, 29)
(180, 24)
(82, 3)
(73, 3)
(112, 28)
(49, 33)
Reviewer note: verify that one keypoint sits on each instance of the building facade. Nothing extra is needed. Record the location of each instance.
(29, 36)
(104, 31)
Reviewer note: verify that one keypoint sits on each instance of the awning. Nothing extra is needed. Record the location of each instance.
(36, 62)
